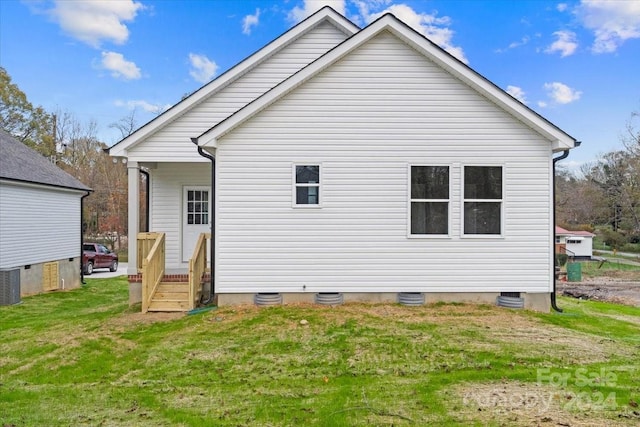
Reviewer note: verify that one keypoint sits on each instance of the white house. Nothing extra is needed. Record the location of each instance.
(40, 219)
(366, 162)
(576, 244)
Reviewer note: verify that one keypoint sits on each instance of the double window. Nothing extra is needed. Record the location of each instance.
(430, 200)
(306, 185)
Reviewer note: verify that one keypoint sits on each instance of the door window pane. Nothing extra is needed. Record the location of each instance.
(197, 207)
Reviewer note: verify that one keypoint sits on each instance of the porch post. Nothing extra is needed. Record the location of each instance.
(133, 215)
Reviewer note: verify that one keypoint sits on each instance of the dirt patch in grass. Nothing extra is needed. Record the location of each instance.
(624, 288)
(530, 404)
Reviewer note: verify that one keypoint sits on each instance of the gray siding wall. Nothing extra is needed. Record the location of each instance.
(365, 120)
(37, 224)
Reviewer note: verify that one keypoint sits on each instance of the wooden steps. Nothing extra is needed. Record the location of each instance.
(171, 296)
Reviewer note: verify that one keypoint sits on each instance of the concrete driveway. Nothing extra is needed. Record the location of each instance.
(104, 273)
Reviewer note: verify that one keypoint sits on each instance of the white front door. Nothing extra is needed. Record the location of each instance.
(195, 217)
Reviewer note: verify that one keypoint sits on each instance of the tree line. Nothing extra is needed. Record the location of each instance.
(603, 196)
(74, 147)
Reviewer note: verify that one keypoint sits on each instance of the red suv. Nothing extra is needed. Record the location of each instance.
(95, 255)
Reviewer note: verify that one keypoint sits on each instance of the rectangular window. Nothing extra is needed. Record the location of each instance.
(429, 200)
(483, 200)
(197, 207)
(307, 185)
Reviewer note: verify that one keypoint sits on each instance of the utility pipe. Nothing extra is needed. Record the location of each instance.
(82, 237)
(212, 215)
(146, 196)
(564, 155)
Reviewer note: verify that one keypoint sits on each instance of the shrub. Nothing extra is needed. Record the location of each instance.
(630, 247)
(613, 238)
(561, 259)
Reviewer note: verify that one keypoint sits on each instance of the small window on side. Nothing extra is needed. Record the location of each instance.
(307, 185)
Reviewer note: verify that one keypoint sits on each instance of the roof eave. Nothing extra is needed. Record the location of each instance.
(326, 13)
(559, 140)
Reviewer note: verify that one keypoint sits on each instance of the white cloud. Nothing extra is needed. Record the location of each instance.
(612, 22)
(561, 7)
(146, 106)
(203, 69)
(522, 42)
(309, 7)
(542, 104)
(517, 93)
(250, 21)
(513, 45)
(119, 66)
(561, 93)
(565, 44)
(430, 25)
(95, 21)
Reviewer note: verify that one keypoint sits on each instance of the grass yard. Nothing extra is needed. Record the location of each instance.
(85, 358)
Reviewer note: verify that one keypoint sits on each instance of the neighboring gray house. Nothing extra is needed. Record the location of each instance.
(40, 219)
(367, 162)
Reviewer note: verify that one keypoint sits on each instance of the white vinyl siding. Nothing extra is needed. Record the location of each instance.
(366, 118)
(38, 224)
(172, 143)
(167, 183)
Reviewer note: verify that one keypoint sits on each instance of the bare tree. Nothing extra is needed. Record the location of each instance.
(126, 125)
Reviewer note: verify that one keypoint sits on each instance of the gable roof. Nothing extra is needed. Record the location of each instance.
(20, 163)
(559, 139)
(326, 14)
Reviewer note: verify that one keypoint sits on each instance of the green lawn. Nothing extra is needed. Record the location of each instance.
(84, 358)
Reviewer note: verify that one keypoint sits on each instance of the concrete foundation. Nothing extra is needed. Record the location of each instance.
(135, 293)
(536, 302)
(32, 276)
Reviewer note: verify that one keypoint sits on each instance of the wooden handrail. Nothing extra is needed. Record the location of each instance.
(197, 268)
(145, 243)
(152, 269)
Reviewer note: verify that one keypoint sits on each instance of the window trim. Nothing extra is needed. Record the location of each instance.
(502, 202)
(295, 185)
(448, 201)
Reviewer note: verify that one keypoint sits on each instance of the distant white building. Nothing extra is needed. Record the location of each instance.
(576, 244)
(40, 219)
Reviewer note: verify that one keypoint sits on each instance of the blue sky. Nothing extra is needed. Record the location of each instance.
(575, 62)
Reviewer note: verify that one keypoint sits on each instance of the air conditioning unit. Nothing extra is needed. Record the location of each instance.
(10, 286)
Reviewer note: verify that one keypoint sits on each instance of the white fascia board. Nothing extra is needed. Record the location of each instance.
(46, 187)
(324, 14)
(559, 140)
